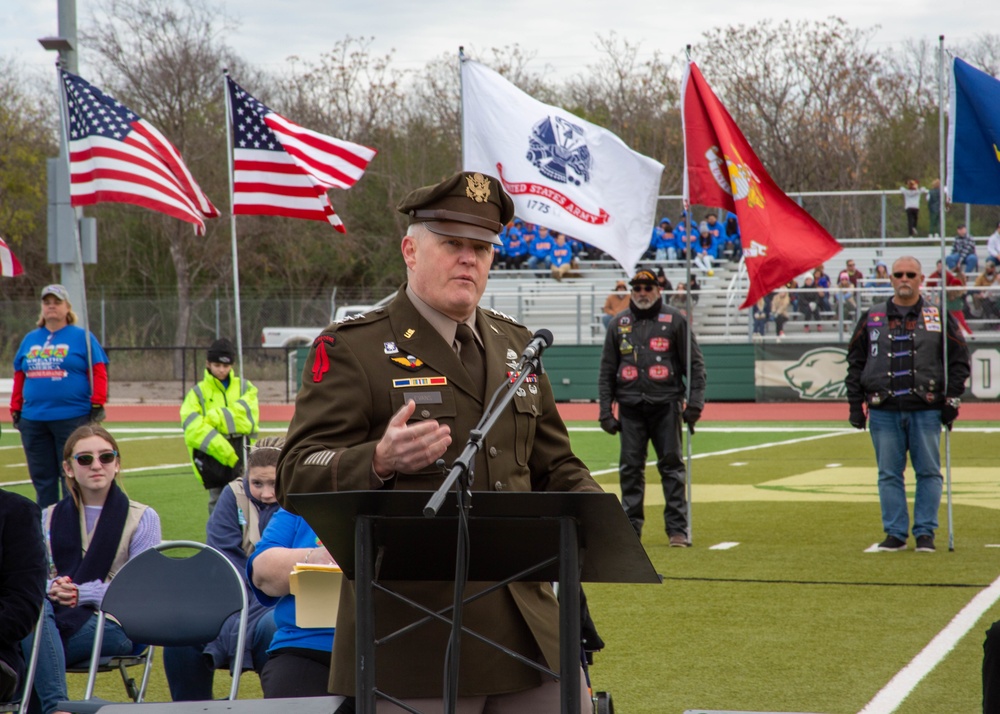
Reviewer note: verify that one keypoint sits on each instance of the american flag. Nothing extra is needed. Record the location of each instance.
(9, 265)
(283, 169)
(116, 156)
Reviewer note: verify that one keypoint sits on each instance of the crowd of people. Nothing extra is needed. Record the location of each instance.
(972, 292)
(344, 437)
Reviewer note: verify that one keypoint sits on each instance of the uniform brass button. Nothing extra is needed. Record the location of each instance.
(425, 413)
(659, 359)
(493, 451)
(498, 486)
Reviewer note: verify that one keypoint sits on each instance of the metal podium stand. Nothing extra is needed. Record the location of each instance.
(547, 536)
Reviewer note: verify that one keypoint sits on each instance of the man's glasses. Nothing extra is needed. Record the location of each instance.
(907, 273)
(642, 288)
(105, 457)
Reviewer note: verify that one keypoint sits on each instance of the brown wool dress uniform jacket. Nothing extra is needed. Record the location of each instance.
(341, 414)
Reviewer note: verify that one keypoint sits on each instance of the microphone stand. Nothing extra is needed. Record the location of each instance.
(461, 476)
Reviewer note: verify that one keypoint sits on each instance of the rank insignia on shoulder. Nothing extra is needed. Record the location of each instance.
(505, 316)
(321, 360)
(409, 362)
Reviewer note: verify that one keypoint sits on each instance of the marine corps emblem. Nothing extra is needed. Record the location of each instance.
(478, 188)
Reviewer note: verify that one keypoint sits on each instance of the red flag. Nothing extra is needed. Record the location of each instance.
(115, 155)
(780, 240)
(9, 265)
(283, 169)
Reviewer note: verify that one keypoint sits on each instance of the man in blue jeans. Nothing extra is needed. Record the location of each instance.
(896, 365)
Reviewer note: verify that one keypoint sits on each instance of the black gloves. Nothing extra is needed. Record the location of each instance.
(948, 415)
(610, 424)
(15, 415)
(691, 415)
(97, 414)
(857, 417)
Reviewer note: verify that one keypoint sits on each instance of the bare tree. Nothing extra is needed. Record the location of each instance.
(637, 100)
(164, 60)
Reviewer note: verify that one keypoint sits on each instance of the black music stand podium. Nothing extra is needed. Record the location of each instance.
(546, 536)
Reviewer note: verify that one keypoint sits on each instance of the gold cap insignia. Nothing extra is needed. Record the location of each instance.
(478, 188)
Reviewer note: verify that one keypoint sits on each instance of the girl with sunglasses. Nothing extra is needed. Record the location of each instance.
(89, 536)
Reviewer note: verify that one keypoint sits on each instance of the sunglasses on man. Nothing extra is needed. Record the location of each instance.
(105, 457)
(643, 288)
(901, 273)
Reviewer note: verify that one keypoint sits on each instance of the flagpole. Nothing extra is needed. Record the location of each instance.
(690, 320)
(232, 224)
(461, 102)
(944, 286)
(77, 216)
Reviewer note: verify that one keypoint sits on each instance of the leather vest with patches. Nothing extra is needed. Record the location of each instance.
(904, 356)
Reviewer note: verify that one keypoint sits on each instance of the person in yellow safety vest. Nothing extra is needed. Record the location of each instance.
(219, 415)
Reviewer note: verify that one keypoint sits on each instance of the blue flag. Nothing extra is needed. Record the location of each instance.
(974, 136)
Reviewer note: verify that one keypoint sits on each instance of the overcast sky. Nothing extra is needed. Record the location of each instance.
(561, 35)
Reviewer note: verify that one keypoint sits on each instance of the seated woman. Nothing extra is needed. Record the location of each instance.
(89, 536)
(299, 658)
(234, 528)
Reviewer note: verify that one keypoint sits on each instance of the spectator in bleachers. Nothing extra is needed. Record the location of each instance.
(695, 288)
(853, 274)
(955, 291)
(993, 247)
(781, 304)
(561, 259)
(663, 281)
(679, 299)
(809, 303)
(615, 302)
(705, 253)
(845, 296)
(714, 228)
(515, 248)
(665, 246)
(986, 302)
(732, 247)
(878, 286)
(934, 208)
(963, 252)
(540, 250)
(911, 204)
(760, 315)
(683, 240)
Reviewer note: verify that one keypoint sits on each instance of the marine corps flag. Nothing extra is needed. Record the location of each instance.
(780, 240)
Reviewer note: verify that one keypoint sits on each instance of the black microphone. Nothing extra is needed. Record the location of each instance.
(541, 341)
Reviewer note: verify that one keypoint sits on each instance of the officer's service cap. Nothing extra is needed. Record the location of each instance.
(466, 205)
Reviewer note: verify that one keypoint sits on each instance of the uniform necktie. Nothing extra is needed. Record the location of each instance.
(471, 356)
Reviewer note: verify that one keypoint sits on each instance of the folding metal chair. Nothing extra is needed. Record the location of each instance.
(163, 601)
(29, 675)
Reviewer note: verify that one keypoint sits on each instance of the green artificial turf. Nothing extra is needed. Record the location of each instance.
(796, 617)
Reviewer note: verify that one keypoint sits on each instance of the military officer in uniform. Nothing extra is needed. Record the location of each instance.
(386, 394)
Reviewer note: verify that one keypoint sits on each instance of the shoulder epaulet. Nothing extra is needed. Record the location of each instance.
(362, 318)
(493, 312)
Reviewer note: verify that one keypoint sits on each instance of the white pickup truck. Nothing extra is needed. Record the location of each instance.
(301, 336)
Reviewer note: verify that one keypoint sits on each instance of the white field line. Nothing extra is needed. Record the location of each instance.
(907, 679)
(741, 449)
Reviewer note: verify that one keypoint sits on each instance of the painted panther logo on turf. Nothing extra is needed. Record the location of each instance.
(819, 374)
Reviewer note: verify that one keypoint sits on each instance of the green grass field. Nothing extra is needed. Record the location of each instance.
(796, 616)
